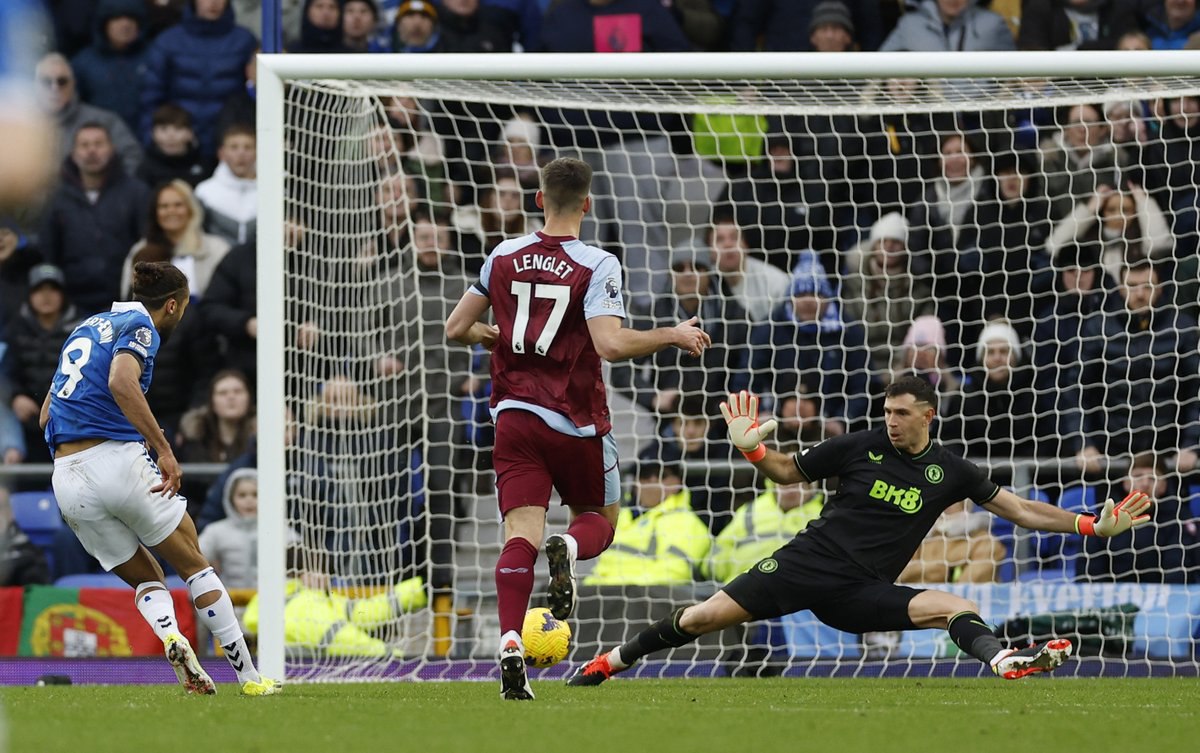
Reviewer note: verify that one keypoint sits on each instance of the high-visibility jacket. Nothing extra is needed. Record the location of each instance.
(756, 531)
(663, 546)
(329, 622)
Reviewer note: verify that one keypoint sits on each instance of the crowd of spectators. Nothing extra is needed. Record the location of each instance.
(1038, 265)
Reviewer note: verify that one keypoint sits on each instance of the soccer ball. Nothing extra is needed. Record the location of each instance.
(546, 639)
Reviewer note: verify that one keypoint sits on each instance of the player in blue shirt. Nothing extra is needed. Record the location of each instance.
(27, 160)
(116, 499)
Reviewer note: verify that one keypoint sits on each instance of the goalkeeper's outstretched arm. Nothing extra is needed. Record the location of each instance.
(1115, 518)
(741, 417)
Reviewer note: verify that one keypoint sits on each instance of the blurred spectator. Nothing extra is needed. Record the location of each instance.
(958, 549)
(174, 233)
(1141, 377)
(995, 416)
(1075, 24)
(1016, 271)
(1181, 154)
(248, 14)
(241, 106)
(1078, 158)
(923, 353)
(612, 26)
(1133, 40)
(1169, 23)
(953, 227)
(412, 146)
(470, 26)
(882, 290)
(1128, 225)
(756, 285)
(761, 526)
(808, 340)
(198, 65)
(501, 215)
(220, 430)
(793, 25)
(801, 420)
(214, 499)
(948, 26)
(831, 28)
(230, 196)
(163, 14)
(1165, 551)
(665, 544)
(529, 20)
(320, 28)
(519, 151)
(72, 24)
(35, 339)
(108, 73)
(1139, 154)
(58, 98)
(416, 28)
(174, 153)
(360, 18)
(93, 218)
(722, 368)
(231, 544)
(18, 254)
(21, 561)
(12, 439)
(1064, 323)
(781, 209)
(229, 309)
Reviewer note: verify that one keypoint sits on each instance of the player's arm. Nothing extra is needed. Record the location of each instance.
(616, 343)
(44, 416)
(124, 381)
(463, 325)
(1116, 518)
(741, 417)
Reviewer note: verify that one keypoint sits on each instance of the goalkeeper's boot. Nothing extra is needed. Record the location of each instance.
(594, 672)
(514, 684)
(1013, 665)
(264, 686)
(187, 667)
(561, 595)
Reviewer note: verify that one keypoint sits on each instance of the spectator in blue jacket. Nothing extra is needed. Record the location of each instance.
(108, 72)
(807, 341)
(198, 64)
(949, 26)
(1169, 23)
(787, 25)
(612, 26)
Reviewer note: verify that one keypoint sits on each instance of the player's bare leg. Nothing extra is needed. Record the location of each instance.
(960, 617)
(590, 533)
(154, 602)
(523, 529)
(718, 612)
(182, 550)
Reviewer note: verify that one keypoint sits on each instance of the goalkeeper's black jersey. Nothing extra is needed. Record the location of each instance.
(886, 501)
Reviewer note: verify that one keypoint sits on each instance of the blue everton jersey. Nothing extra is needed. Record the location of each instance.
(81, 405)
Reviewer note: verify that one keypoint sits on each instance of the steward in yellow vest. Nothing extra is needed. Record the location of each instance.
(665, 545)
(761, 527)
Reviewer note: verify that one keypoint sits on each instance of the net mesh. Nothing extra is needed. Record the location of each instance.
(829, 235)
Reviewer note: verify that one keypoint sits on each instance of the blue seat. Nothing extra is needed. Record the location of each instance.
(36, 513)
(107, 580)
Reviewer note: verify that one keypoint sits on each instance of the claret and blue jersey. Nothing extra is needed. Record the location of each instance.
(81, 404)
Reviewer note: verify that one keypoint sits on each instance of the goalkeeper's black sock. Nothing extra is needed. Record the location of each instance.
(665, 633)
(970, 633)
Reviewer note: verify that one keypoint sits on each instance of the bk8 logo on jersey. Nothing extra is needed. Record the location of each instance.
(547, 640)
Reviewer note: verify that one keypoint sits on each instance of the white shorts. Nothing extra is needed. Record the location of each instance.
(104, 495)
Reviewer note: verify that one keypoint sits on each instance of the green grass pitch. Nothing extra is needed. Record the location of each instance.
(724, 716)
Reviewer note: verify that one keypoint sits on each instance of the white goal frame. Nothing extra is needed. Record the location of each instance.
(275, 70)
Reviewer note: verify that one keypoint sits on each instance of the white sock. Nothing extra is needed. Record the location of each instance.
(614, 659)
(158, 609)
(221, 621)
(1004, 654)
(572, 545)
(512, 635)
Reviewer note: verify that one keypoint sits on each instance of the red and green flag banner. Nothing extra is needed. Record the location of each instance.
(88, 622)
(11, 600)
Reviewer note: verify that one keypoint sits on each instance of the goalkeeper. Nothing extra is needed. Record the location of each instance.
(893, 483)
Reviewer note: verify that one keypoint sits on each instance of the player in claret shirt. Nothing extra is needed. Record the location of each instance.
(893, 483)
(558, 307)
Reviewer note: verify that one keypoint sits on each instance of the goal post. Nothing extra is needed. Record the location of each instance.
(298, 95)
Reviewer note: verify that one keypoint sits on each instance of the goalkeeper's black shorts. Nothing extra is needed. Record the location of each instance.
(836, 592)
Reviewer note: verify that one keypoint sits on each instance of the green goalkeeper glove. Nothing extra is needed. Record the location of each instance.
(1130, 512)
(741, 414)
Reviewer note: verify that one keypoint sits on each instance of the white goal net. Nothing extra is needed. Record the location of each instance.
(1028, 243)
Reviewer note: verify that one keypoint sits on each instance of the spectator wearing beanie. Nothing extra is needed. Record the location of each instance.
(108, 72)
(788, 25)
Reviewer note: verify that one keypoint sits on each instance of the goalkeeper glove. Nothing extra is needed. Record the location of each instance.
(741, 414)
(1130, 512)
